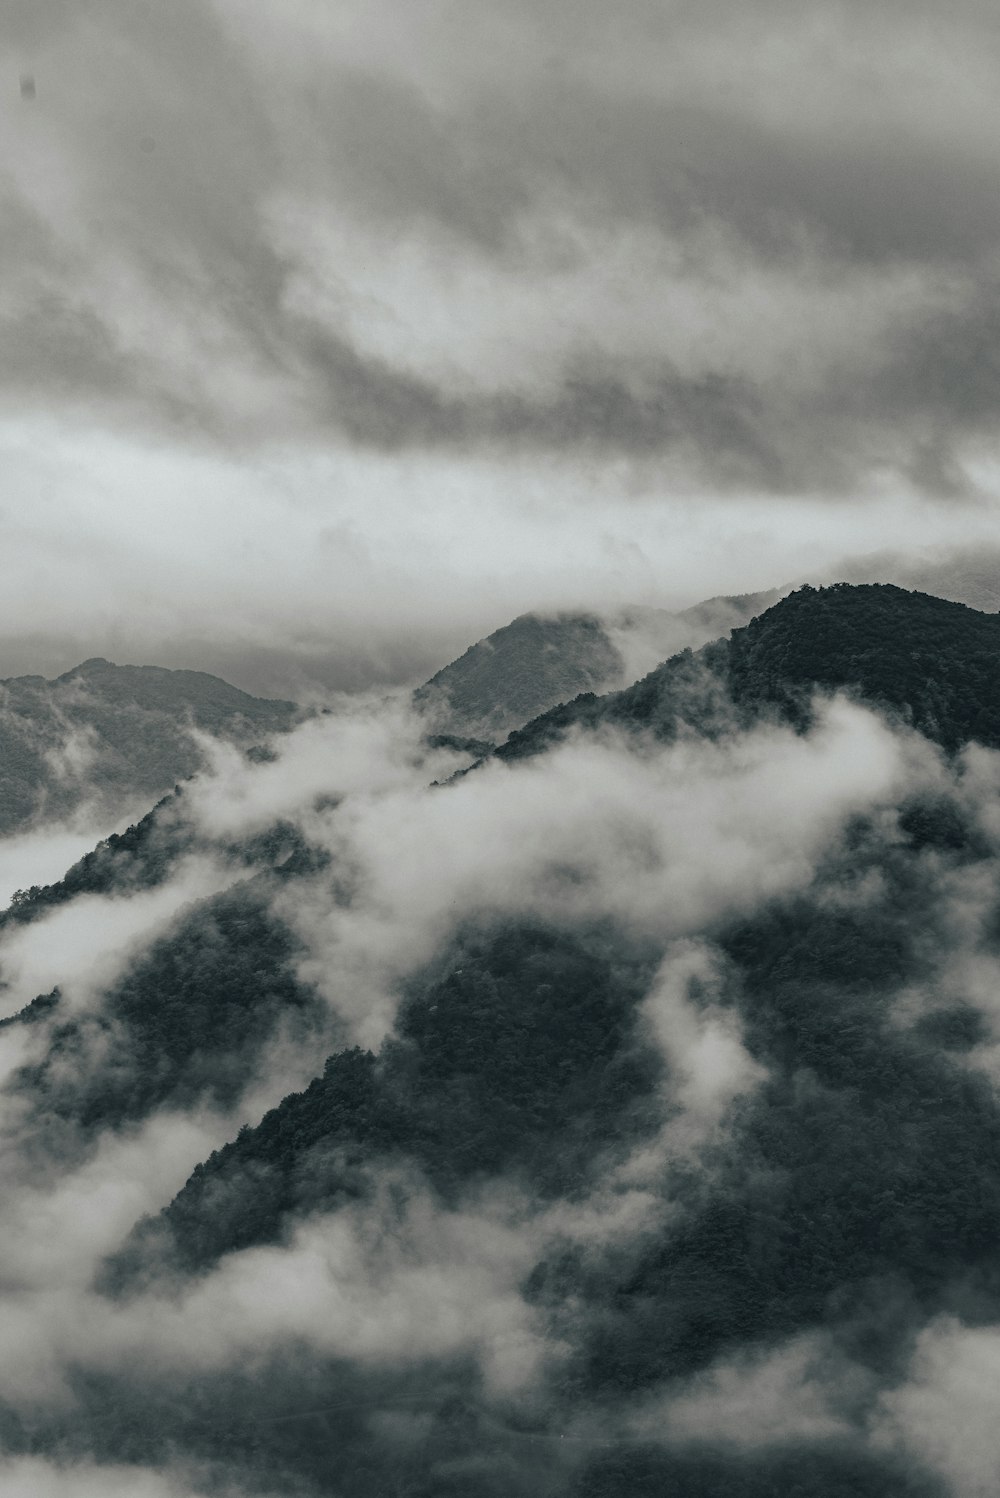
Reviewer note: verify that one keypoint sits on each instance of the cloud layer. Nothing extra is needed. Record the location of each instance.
(679, 853)
(336, 338)
(758, 243)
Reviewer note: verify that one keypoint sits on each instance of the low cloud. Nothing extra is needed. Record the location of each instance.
(659, 840)
(759, 1398)
(57, 1230)
(670, 846)
(708, 1066)
(944, 1412)
(392, 1283)
(84, 946)
(42, 856)
(35, 1477)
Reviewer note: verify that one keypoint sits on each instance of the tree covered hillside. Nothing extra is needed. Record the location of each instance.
(644, 1112)
(538, 661)
(518, 671)
(934, 663)
(108, 737)
(849, 1200)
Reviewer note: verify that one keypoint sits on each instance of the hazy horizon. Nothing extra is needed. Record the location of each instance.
(337, 337)
(314, 666)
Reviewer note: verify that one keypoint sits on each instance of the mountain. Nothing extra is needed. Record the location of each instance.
(537, 661)
(932, 662)
(185, 1025)
(109, 738)
(852, 1196)
(194, 1009)
(670, 1169)
(517, 671)
(927, 662)
(518, 1011)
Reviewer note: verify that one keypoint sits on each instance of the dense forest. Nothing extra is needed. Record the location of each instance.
(934, 663)
(186, 1022)
(855, 1193)
(516, 1055)
(714, 1185)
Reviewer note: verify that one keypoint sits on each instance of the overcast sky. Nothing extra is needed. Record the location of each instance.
(336, 334)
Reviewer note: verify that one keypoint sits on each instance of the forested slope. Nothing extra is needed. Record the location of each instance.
(104, 736)
(933, 662)
(674, 1159)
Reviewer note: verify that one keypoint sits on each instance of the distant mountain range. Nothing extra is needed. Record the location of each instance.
(969, 576)
(114, 738)
(539, 660)
(109, 739)
(927, 663)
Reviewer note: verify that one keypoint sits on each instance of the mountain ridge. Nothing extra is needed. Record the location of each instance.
(735, 1150)
(539, 660)
(101, 737)
(805, 641)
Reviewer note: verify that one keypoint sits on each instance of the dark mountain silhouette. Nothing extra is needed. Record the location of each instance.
(184, 1025)
(928, 661)
(188, 1019)
(931, 663)
(852, 1195)
(524, 1031)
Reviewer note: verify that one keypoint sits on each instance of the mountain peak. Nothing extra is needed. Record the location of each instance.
(929, 662)
(89, 667)
(136, 743)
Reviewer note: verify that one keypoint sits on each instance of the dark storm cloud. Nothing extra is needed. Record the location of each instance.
(54, 348)
(947, 369)
(168, 178)
(932, 389)
(593, 408)
(682, 165)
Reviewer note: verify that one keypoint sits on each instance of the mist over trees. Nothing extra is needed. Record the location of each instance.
(102, 737)
(930, 662)
(653, 1156)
